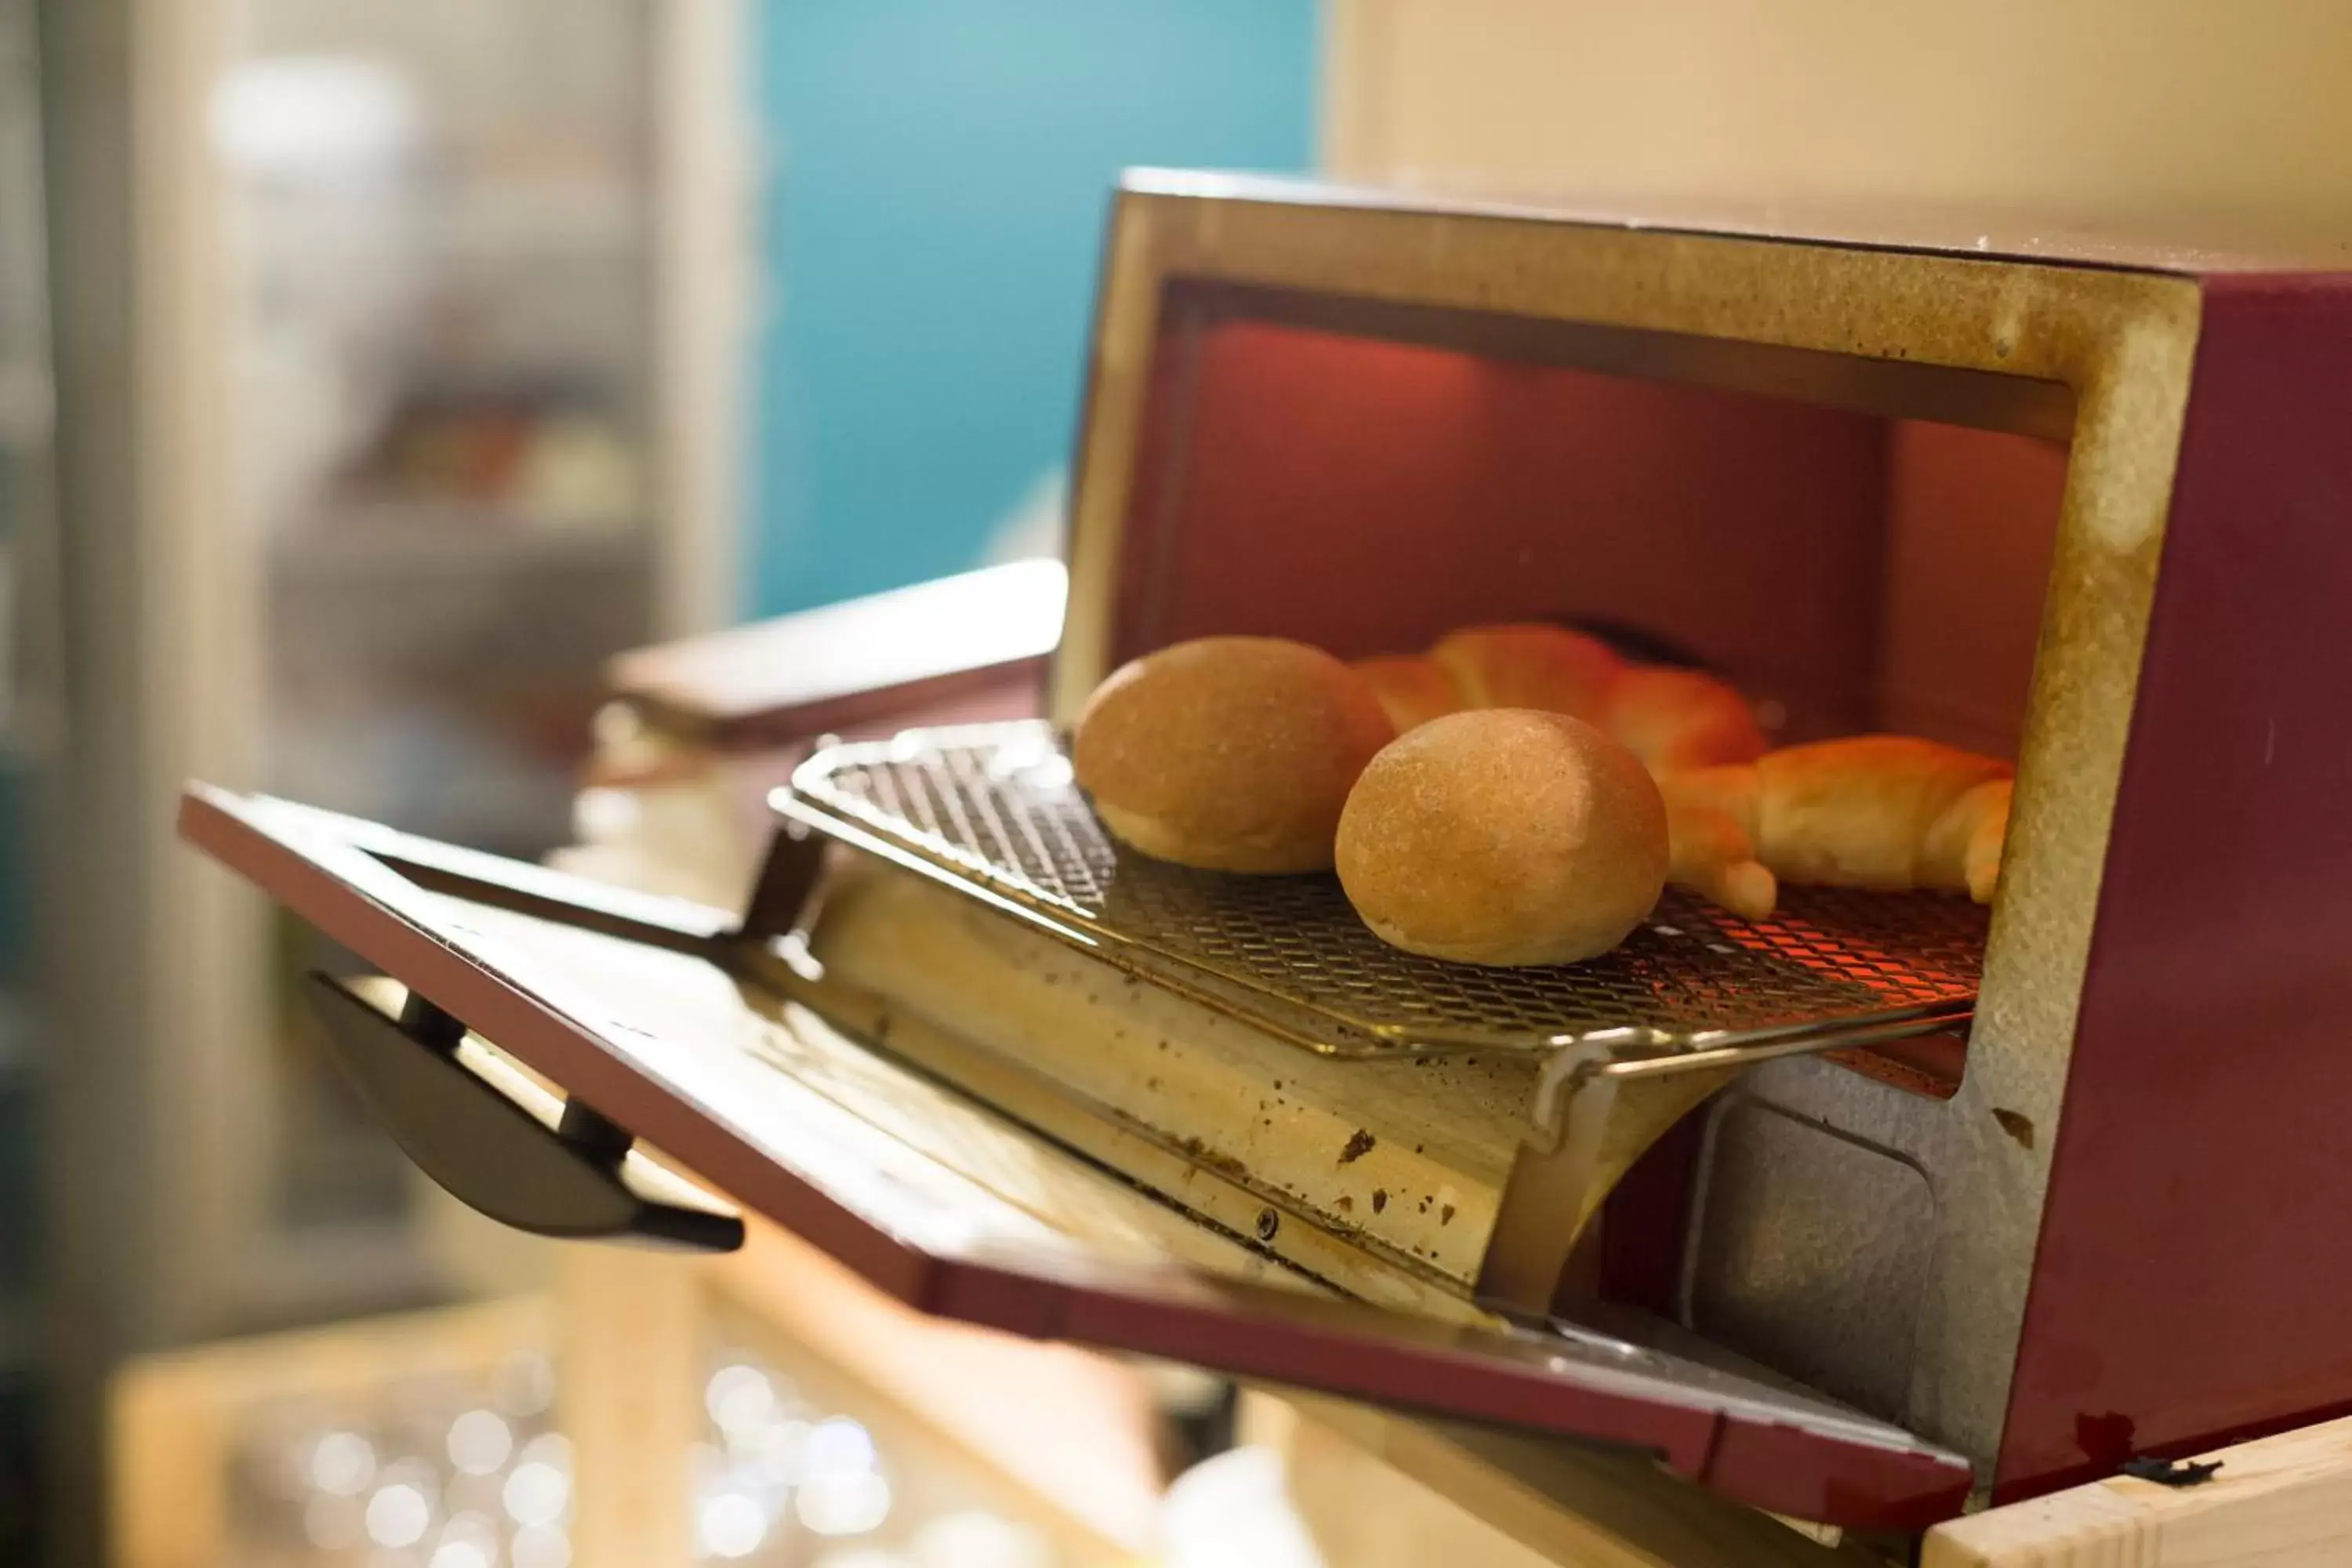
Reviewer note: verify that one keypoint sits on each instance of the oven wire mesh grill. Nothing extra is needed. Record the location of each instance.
(992, 811)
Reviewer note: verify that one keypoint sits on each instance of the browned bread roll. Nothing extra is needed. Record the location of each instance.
(1534, 665)
(1504, 836)
(1677, 719)
(1874, 811)
(1229, 753)
(1413, 688)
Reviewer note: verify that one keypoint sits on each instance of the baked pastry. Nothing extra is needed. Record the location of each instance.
(1677, 719)
(1963, 845)
(1712, 856)
(1889, 811)
(1229, 753)
(1414, 689)
(1504, 836)
(1672, 719)
(1532, 665)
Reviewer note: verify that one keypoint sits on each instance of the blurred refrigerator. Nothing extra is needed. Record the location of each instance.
(424, 411)
(24, 421)
(437, 232)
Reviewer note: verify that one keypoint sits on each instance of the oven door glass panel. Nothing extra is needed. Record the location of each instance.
(651, 1012)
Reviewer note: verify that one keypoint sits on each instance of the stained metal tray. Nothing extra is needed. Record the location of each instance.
(991, 810)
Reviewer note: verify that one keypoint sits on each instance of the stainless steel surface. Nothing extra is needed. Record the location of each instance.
(1589, 1129)
(1105, 1063)
(1557, 1179)
(1828, 1292)
(992, 811)
(1977, 1259)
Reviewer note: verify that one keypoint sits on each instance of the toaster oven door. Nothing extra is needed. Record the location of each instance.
(651, 1013)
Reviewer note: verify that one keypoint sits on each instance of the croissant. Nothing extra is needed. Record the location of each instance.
(1679, 719)
(1970, 835)
(1887, 812)
(1413, 688)
(1671, 719)
(1535, 666)
(1712, 856)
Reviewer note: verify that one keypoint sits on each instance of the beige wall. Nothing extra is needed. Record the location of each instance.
(2217, 114)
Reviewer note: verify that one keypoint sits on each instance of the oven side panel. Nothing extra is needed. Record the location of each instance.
(2194, 1277)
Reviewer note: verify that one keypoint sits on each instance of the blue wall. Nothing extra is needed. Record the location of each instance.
(933, 223)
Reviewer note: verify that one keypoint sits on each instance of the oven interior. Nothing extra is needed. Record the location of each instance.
(1859, 545)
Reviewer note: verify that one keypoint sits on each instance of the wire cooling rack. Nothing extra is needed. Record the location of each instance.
(991, 810)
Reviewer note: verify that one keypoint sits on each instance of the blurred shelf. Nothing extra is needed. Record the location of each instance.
(20, 1334)
(588, 224)
(20, 1037)
(26, 405)
(536, 225)
(370, 540)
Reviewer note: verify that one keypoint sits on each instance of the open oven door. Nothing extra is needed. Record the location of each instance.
(495, 981)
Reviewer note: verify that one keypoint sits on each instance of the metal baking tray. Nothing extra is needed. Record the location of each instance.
(990, 811)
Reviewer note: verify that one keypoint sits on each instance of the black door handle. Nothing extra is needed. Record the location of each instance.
(496, 1141)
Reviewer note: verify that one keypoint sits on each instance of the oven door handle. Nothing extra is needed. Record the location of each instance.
(496, 1140)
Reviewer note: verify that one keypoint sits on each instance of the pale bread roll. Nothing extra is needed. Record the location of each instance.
(1413, 687)
(1504, 836)
(1229, 753)
(1532, 666)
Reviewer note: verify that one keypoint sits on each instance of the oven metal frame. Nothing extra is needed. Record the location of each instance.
(2121, 342)
(2177, 849)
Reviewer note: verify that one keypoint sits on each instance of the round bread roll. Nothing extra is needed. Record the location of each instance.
(1504, 836)
(1229, 753)
(1414, 689)
(1532, 666)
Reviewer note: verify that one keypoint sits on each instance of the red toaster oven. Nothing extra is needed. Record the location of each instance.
(1850, 1214)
